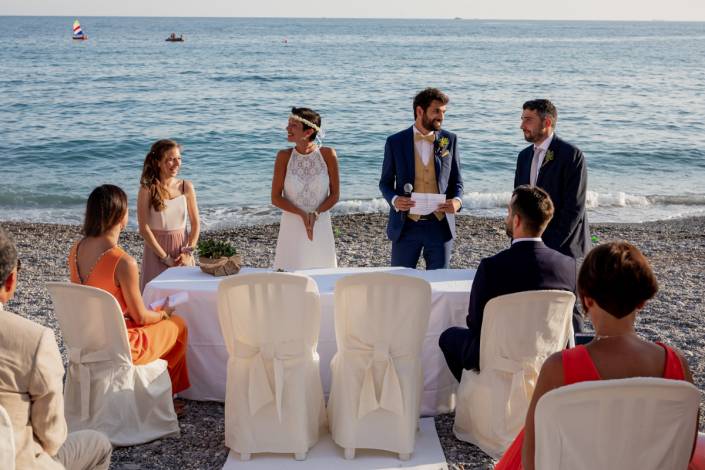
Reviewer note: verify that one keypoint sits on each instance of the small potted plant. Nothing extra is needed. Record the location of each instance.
(218, 257)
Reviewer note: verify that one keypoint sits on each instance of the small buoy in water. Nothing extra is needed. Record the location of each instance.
(285, 41)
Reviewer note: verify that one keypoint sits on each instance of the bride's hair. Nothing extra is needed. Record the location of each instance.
(309, 115)
(150, 173)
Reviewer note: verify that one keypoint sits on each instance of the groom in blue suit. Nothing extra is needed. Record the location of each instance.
(423, 159)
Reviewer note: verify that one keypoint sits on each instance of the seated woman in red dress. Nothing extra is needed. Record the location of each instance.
(96, 260)
(614, 283)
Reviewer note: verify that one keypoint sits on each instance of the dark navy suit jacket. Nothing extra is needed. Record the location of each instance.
(525, 266)
(398, 169)
(565, 180)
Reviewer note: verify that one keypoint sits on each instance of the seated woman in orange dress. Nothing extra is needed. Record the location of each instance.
(96, 260)
(614, 283)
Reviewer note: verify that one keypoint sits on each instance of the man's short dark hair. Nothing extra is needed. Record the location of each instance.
(543, 108)
(534, 206)
(618, 277)
(8, 255)
(425, 97)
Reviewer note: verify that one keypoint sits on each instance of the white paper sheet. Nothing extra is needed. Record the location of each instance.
(174, 300)
(426, 202)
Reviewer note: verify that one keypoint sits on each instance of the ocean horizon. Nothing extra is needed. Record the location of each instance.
(77, 114)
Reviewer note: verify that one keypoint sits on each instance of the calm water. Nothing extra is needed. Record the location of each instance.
(77, 114)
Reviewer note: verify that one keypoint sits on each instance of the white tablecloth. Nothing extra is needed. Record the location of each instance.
(207, 356)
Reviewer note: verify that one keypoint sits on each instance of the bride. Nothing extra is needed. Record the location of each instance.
(305, 187)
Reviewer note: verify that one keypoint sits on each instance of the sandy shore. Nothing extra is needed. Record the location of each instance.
(675, 248)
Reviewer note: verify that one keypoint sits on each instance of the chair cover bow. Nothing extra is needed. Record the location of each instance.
(77, 367)
(524, 375)
(260, 391)
(390, 395)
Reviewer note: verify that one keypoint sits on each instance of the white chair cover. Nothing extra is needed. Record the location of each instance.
(7, 442)
(626, 424)
(377, 381)
(104, 391)
(519, 331)
(274, 397)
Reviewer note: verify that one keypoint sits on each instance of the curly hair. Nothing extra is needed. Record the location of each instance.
(8, 255)
(150, 173)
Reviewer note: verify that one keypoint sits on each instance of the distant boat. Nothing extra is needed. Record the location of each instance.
(174, 38)
(78, 32)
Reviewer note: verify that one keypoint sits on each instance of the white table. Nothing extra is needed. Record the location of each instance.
(207, 356)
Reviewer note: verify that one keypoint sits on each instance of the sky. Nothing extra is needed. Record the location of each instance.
(646, 10)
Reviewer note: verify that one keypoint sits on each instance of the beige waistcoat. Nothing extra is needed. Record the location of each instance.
(425, 181)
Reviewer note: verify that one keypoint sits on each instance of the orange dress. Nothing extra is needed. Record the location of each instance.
(578, 367)
(166, 339)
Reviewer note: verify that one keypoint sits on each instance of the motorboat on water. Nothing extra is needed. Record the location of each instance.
(174, 38)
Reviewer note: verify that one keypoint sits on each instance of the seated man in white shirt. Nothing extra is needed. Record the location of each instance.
(527, 265)
(31, 388)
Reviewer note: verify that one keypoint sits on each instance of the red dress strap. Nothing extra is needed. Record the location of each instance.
(578, 366)
(673, 368)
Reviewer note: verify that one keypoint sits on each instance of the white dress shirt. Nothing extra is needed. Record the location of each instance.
(542, 148)
(527, 239)
(423, 148)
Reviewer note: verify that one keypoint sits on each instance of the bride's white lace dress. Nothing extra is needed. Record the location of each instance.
(306, 185)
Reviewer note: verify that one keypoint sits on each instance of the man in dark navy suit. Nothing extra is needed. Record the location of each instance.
(423, 159)
(527, 265)
(560, 169)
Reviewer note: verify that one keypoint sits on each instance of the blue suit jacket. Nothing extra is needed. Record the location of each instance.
(525, 266)
(398, 169)
(565, 180)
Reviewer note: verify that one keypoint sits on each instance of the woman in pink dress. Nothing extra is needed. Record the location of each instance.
(164, 203)
(614, 283)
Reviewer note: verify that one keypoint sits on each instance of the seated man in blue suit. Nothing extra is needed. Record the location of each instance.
(424, 159)
(527, 265)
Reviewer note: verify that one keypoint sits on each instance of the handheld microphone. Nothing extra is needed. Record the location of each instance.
(408, 189)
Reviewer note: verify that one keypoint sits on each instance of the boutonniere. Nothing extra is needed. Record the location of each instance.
(442, 147)
(549, 157)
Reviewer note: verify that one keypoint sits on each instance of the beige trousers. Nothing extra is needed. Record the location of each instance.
(85, 450)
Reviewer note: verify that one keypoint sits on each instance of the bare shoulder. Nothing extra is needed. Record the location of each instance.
(127, 263)
(552, 371)
(188, 187)
(328, 152)
(284, 154)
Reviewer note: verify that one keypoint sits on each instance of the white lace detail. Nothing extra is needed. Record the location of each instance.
(307, 182)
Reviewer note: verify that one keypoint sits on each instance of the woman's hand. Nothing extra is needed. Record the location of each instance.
(312, 218)
(184, 259)
(306, 218)
(168, 260)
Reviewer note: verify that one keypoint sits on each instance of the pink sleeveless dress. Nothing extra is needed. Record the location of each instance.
(169, 228)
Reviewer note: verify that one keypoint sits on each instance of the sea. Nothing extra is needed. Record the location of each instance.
(77, 114)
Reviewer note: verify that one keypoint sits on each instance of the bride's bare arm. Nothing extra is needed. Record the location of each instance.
(331, 160)
(278, 198)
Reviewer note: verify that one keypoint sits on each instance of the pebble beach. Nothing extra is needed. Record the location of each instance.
(675, 248)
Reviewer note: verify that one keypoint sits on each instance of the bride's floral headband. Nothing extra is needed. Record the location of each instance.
(320, 133)
(305, 121)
